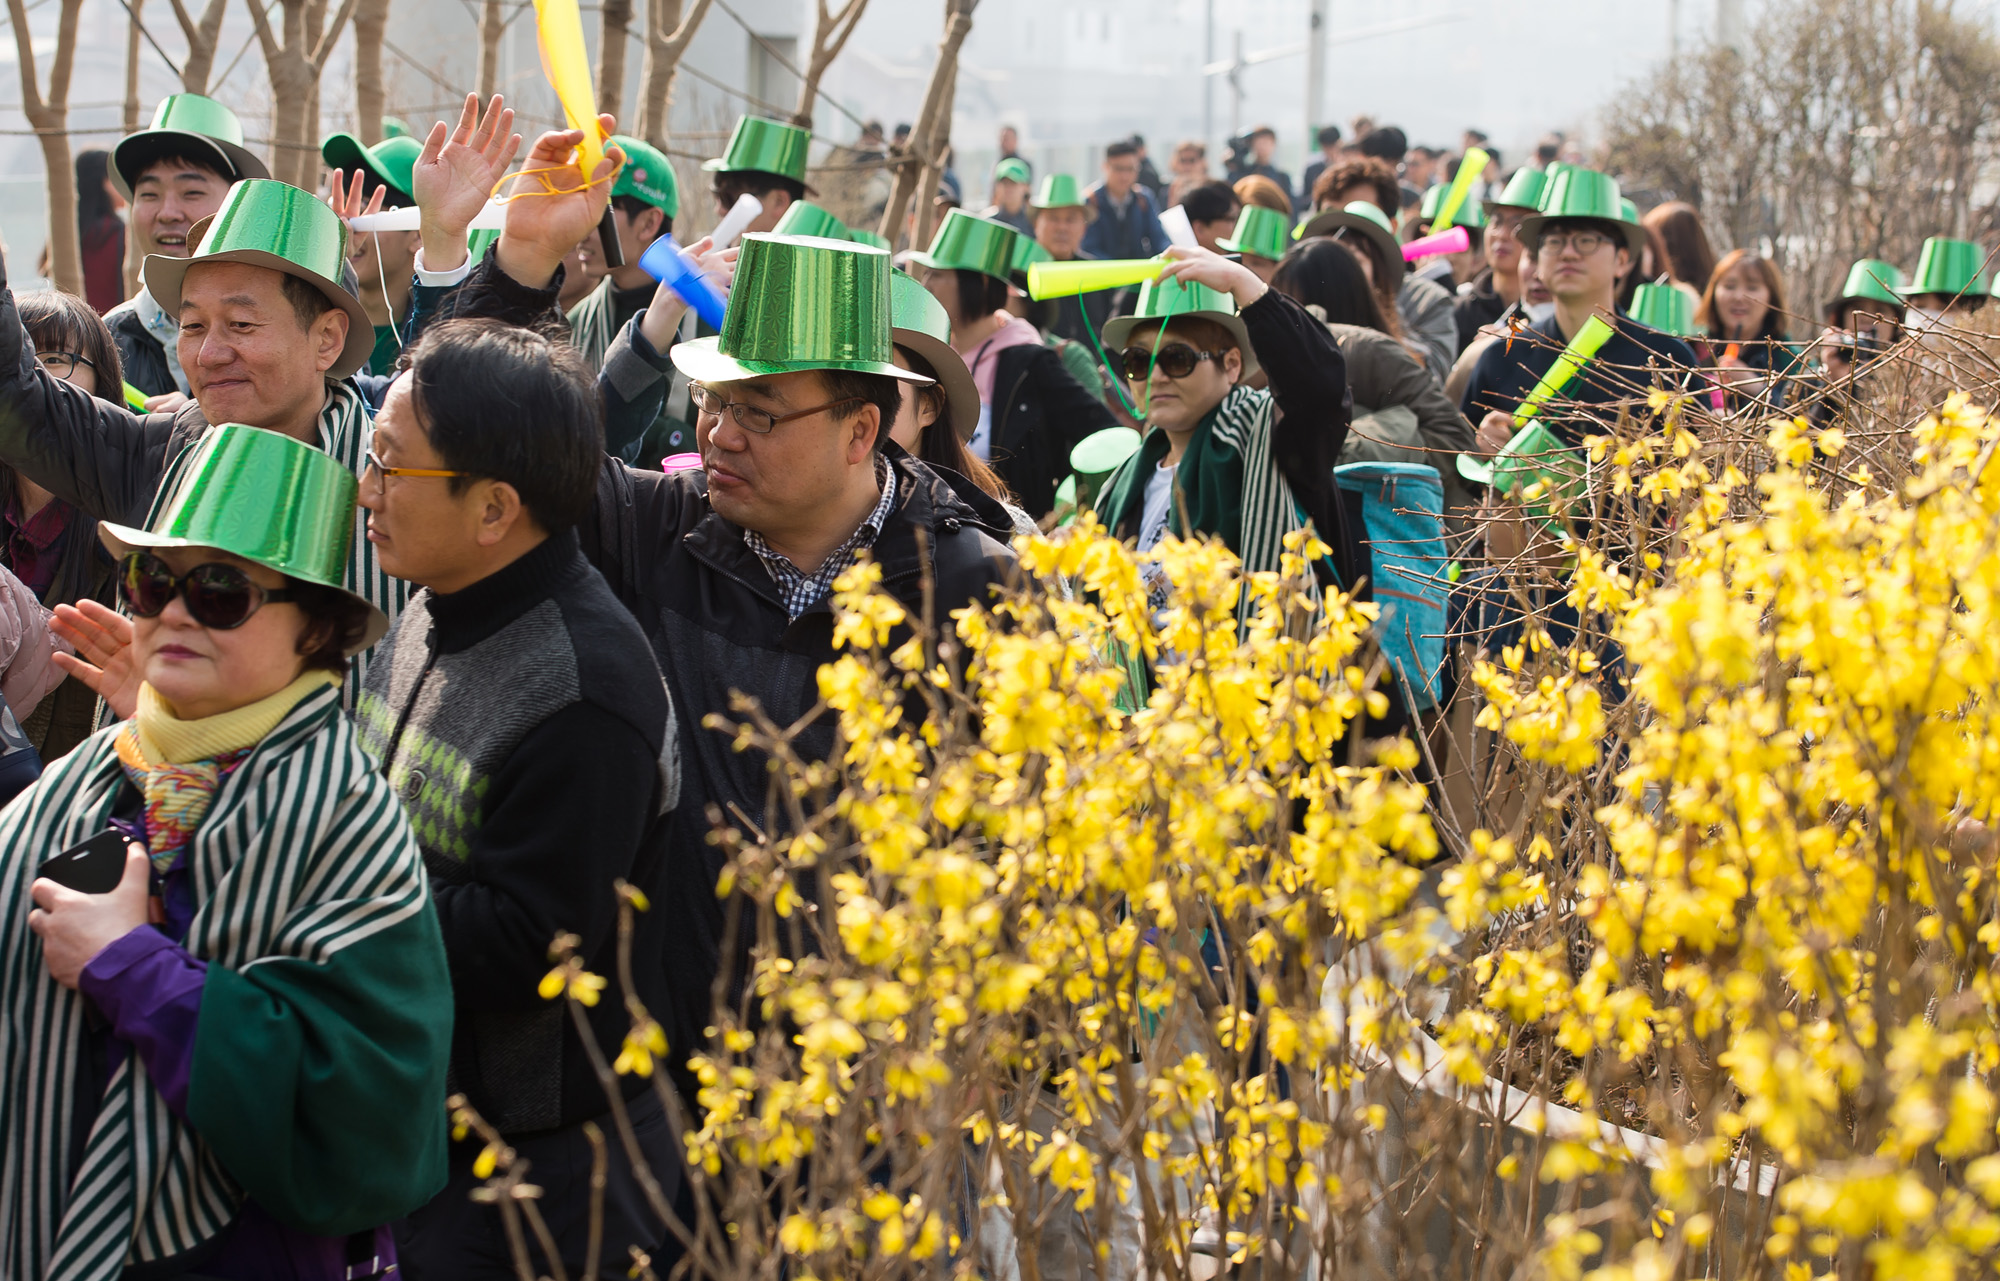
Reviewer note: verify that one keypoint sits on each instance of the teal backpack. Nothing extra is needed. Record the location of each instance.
(1402, 505)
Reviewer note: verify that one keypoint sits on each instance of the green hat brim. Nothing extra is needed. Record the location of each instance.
(1475, 470)
(1237, 247)
(1119, 328)
(344, 151)
(703, 362)
(961, 393)
(165, 276)
(1328, 221)
(722, 165)
(121, 539)
(133, 153)
(1529, 233)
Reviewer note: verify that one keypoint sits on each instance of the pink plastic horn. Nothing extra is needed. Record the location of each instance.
(1454, 241)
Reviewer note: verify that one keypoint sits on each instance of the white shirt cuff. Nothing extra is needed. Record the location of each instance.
(445, 278)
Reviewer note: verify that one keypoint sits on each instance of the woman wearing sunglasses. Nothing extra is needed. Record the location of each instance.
(236, 1056)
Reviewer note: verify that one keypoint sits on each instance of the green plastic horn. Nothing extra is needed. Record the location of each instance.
(1067, 279)
(1595, 333)
(1470, 167)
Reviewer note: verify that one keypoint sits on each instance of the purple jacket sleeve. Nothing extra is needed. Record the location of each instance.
(150, 989)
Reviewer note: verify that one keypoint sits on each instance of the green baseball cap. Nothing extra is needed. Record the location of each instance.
(1523, 191)
(800, 303)
(191, 127)
(273, 224)
(1468, 214)
(1171, 298)
(765, 146)
(1012, 169)
(1058, 191)
(918, 322)
(1666, 308)
(1361, 216)
(1869, 279)
(268, 498)
(1949, 267)
(1582, 193)
(393, 127)
(1260, 232)
(647, 174)
(805, 218)
(966, 242)
(390, 163)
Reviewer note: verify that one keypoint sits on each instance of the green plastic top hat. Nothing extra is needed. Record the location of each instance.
(1170, 298)
(391, 163)
(800, 303)
(1027, 252)
(1534, 454)
(190, 127)
(1665, 308)
(265, 497)
(1523, 190)
(862, 236)
(1058, 191)
(1872, 280)
(765, 146)
(647, 175)
(805, 218)
(1948, 267)
(919, 324)
(1012, 169)
(1260, 232)
(1360, 216)
(1582, 193)
(1469, 213)
(276, 225)
(965, 242)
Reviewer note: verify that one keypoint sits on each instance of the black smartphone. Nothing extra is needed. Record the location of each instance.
(93, 867)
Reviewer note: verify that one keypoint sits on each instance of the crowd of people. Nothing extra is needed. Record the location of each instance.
(366, 596)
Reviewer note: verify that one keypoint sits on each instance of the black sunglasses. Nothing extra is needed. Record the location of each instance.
(1175, 360)
(218, 595)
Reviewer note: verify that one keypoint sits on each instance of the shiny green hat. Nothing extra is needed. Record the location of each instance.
(1872, 280)
(1058, 191)
(265, 497)
(1469, 212)
(1260, 232)
(192, 127)
(1523, 190)
(1170, 298)
(1361, 216)
(918, 322)
(1582, 193)
(1012, 169)
(799, 303)
(390, 163)
(276, 225)
(862, 236)
(647, 175)
(1948, 267)
(1666, 308)
(1027, 252)
(765, 146)
(805, 218)
(966, 242)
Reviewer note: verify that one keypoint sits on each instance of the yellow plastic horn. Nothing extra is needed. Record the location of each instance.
(566, 63)
(1067, 279)
(1470, 167)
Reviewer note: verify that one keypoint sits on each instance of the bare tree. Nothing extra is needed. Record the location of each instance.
(295, 67)
(371, 19)
(201, 39)
(933, 125)
(49, 117)
(131, 125)
(927, 186)
(668, 32)
(617, 15)
(831, 27)
(492, 25)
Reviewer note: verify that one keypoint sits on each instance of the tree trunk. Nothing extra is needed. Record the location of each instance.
(927, 186)
(131, 125)
(830, 32)
(492, 25)
(922, 149)
(371, 19)
(294, 68)
(50, 119)
(667, 37)
(611, 57)
(201, 38)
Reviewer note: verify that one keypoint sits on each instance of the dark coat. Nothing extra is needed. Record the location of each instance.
(1040, 413)
(144, 360)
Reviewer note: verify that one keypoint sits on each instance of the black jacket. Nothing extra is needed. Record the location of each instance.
(1039, 414)
(144, 360)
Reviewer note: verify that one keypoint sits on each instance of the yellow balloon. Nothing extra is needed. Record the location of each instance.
(566, 63)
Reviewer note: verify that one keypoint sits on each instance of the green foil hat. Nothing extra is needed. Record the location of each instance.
(276, 225)
(1582, 193)
(1170, 298)
(1469, 212)
(800, 303)
(191, 127)
(1948, 267)
(805, 218)
(647, 174)
(1027, 252)
(966, 242)
(1362, 216)
(1869, 279)
(1523, 190)
(1666, 308)
(765, 146)
(1260, 232)
(919, 323)
(265, 497)
(1058, 191)
(391, 163)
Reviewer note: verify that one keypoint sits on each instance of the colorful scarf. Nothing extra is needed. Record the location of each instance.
(177, 764)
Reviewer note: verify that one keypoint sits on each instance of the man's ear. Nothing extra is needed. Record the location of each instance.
(500, 510)
(1624, 261)
(865, 426)
(328, 337)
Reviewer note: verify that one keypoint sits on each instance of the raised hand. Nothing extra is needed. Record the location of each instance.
(1207, 267)
(456, 174)
(663, 314)
(346, 197)
(103, 660)
(542, 228)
